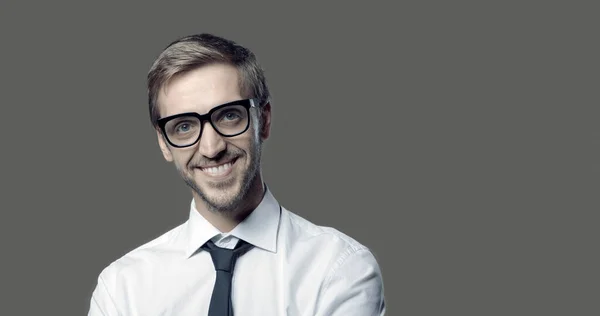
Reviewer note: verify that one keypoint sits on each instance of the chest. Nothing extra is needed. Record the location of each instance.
(261, 285)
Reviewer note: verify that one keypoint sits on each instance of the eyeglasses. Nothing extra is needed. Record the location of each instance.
(229, 119)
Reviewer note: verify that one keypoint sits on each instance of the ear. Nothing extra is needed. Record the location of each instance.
(265, 130)
(163, 146)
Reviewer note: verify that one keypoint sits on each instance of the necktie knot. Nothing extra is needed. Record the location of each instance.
(224, 259)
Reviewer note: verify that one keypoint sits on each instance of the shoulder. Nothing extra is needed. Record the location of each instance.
(144, 257)
(301, 229)
(350, 280)
(328, 245)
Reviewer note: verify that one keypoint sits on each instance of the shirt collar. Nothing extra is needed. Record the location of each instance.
(259, 228)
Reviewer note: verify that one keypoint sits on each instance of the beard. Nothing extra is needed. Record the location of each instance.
(227, 201)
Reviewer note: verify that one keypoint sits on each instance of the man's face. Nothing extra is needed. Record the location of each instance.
(220, 170)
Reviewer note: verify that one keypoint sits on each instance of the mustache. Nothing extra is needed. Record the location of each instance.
(201, 161)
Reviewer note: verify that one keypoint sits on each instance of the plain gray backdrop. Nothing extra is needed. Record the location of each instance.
(458, 141)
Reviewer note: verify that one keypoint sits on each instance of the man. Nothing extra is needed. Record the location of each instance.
(240, 252)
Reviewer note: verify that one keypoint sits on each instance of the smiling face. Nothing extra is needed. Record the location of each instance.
(223, 172)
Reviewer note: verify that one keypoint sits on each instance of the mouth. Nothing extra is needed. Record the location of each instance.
(220, 170)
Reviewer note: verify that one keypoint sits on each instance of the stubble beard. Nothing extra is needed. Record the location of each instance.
(233, 200)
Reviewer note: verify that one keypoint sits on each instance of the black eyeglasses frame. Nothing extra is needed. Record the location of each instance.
(246, 103)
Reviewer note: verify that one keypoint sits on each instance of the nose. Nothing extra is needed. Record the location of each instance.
(211, 143)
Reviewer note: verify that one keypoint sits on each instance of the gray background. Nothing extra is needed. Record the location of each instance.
(458, 141)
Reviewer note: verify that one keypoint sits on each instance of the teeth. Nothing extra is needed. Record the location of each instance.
(218, 170)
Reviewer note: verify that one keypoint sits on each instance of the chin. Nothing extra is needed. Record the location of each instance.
(223, 195)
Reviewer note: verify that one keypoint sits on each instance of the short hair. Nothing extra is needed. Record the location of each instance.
(193, 51)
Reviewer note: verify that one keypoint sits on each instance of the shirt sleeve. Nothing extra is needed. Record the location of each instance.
(354, 287)
(101, 303)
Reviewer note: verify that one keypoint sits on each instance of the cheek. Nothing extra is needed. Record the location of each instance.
(247, 146)
(183, 159)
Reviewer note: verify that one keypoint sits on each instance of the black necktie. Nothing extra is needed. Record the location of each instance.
(224, 262)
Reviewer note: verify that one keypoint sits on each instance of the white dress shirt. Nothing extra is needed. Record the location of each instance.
(295, 268)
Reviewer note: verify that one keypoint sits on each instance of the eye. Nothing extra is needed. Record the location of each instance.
(183, 127)
(231, 115)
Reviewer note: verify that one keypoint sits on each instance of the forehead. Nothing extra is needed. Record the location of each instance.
(199, 90)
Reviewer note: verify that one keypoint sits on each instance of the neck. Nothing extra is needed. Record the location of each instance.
(228, 220)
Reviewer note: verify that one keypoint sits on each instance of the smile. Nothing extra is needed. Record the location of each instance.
(220, 170)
